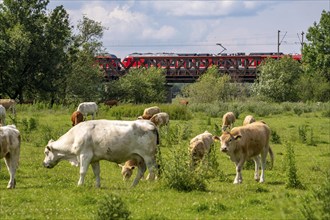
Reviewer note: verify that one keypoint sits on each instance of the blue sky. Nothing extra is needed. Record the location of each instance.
(196, 26)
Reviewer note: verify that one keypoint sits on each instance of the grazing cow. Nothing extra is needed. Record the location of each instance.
(2, 115)
(244, 142)
(160, 119)
(88, 108)
(111, 103)
(228, 120)
(8, 104)
(200, 146)
(127, 169)
(149, 112)
(184, 102)
(10, 142)
(77, 117)
(248, 120)
(115, 141)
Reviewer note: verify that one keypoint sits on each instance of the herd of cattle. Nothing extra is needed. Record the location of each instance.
(134, 144)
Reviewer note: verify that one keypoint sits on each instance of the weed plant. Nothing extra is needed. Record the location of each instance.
(112, 206)
(292, 176)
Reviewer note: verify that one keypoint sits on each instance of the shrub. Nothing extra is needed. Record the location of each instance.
(112, 207)
(179, 175)
(275, 138)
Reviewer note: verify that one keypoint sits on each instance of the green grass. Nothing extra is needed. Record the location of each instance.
(53, 193)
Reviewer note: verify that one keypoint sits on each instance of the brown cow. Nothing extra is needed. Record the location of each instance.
(248, 120)
(184, 102)
(228, 120)
(76, 118)
(244, 142)
(112, 102)
(10, 142)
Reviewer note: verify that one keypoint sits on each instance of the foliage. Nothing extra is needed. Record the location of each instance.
(292, 177)
(85, 80)
(180, 175)
(32, 48)
(317, 205)
(278, 79)
(112, 206)
(142, 85)
(316, 53)
(211, 87)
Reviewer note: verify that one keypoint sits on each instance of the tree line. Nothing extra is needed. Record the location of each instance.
(44, 58)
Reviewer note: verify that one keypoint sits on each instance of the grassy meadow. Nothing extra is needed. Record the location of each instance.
(53, 193)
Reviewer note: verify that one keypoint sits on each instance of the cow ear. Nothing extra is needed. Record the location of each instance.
(216, 138)
(237, 137)
(120, 165)
(50, 141)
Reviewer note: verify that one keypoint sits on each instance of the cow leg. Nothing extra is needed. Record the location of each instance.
(11, 166)
(263, 164)
(152, 167)
(256, 167)
(239, 178)
(141, 170)
(96, 171)
(84, 163)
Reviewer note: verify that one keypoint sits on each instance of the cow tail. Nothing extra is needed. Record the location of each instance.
(271, 154)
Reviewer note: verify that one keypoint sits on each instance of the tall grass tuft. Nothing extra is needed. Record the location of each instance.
(317, 205)
(179, 175)
(292, 177)
(112, 206)
(275, 138)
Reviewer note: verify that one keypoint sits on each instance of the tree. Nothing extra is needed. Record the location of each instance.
(316, 53)
(33, 48)
(143, 86)
(210, 87)
(315, 83)
(278, 80)
(85, 80)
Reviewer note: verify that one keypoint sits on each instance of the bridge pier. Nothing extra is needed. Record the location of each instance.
(169, 93)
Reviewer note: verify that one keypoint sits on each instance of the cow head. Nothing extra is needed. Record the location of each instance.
(52, 157)
(228, 142)
(126, 171)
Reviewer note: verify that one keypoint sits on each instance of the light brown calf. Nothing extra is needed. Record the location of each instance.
(200, 146)
(8, 104)
(228, 120)
(244, 142)
(160, 119)
(149, 112)
(248, 120)
(184, 102)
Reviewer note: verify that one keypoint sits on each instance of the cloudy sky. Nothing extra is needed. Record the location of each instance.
(197, 26)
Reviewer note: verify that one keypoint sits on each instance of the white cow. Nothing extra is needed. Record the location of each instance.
(248, 141)
(115, 141)
(10, 142)
(2, 115)
(88, 108)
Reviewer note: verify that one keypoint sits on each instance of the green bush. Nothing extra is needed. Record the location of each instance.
(112, 207)
(179, 175)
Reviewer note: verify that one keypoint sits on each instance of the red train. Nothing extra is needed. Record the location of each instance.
(180, 67)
